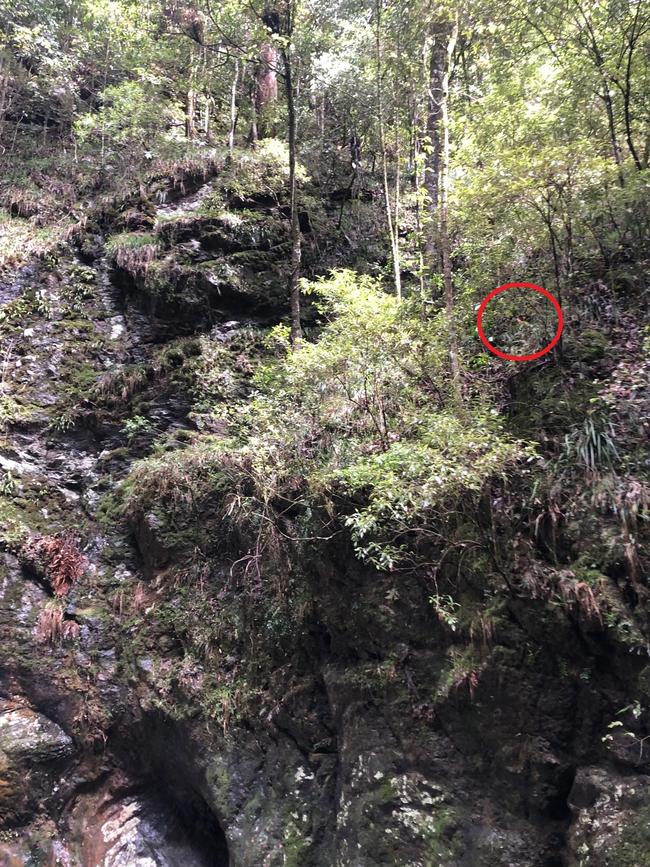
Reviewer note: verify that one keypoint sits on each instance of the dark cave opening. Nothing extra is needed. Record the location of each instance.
(160, 755)
(191, 821)
(558, 805)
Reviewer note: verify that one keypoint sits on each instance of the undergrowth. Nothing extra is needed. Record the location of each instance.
(361, 424)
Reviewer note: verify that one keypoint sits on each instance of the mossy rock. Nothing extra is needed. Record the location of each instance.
(633, 848)
(590, 346)
(137, 219)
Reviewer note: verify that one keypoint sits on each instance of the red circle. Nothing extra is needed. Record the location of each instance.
(534, 355)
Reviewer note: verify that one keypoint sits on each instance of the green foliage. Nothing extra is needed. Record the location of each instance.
(134, 427)
(264, 171)
(65, 420)
(175, 482)
(591, 446)
(365, 414)
(28, 304)
(78, 288)
(8, 484)
(130, 115)
(446, 609)
(361, 421)
(129, 241)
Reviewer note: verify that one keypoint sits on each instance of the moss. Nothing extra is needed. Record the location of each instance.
(443, 843)
(218, 777)
(386, 793)
(175, 354)
(296, 844)
(110, 509)
(255, 260)
(93, 612)
(83, 375)
(79, 325)
(590, 346)
(219, 272)
(633, 846)
(185, 436)
(163, 279)
(13, 527)
(13, 411)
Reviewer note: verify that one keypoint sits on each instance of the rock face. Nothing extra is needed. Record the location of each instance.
(122, 825)
(612, 818)
(202, 259)
(31, 746)
(25, 735)
(161, 714)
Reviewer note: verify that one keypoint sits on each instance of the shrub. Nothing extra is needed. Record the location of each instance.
(264, 171)
(360, 423)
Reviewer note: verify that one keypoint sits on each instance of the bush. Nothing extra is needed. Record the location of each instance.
(262, 172)
(361, 424)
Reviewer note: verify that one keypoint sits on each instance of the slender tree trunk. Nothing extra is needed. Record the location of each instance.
(417, 180)
(190, 101)
(4, 88)
(207, 106)
(252, 135)
(609, 108)
(626, 89)
(445, 246)
(16, 130)
(419, 175)
(628, 131)
(106, 57)
(296, 235)
(392, 229)
(233, 108)
(599, 62)
(266, 89)
(568, 229)
(440, 33)
(190, 108)
(398, 191)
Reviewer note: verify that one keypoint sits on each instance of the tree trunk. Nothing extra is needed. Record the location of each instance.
(392, 229)
(598, 59)
(4, 89)
(233, 108)
(106, 59)
(207, 105)
(190, 102)
(441, 33)
(609, 107)
(445, 246)
(190, 107)
(266, 89)
(626, 88)
(296, 236)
